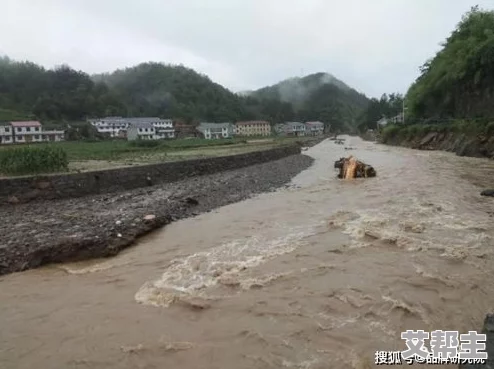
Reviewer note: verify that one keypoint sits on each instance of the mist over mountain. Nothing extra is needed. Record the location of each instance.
(318, 96)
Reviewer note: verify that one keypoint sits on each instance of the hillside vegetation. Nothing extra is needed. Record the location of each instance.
(62, 94)
(458, 82)
(454, 91)
(318, 96)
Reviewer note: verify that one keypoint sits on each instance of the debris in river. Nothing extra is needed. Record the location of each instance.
(487, 193)
(353, 168)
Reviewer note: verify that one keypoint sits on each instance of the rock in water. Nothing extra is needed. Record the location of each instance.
(488, 330)
(149, 217)
(487, 193)
(191, 201)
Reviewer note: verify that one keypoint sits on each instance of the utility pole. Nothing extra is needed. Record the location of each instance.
(403, 112)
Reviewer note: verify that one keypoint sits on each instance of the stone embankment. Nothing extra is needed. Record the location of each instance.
(54, 227)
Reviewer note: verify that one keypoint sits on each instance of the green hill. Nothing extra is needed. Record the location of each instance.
(318, 96)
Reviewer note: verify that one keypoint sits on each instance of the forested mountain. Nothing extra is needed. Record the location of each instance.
(155, 89)
(458, 82)
(28, 91)
(318, 96)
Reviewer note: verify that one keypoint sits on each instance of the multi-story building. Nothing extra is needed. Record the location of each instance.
(141, 131)
(118, 126)
(314, 128)
(253, 128)
(28, 132)
(183, 130)
(164, 128)
(110, 126)
(291, 129)
(6, 134)
(216, 130)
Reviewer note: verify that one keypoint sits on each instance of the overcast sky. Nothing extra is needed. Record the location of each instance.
(374, 46)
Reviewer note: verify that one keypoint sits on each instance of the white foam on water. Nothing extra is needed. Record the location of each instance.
(193, 275)
(92, 266)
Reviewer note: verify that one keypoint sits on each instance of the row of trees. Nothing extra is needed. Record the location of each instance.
(154, 89)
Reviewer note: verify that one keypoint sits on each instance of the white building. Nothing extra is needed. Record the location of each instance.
(28, 132)
(116, 126)
(164, 128)
(382, 122)
(141, 131)
(216, 130)
(6, 134)
(111, 126)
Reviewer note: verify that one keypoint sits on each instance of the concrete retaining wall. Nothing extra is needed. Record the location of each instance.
(24, 189)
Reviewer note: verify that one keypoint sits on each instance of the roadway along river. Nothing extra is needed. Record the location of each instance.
(320, 275)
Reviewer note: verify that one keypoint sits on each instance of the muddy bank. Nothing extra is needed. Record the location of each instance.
(463, 145)
(50, 231)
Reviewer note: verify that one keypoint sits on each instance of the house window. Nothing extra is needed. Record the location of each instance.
(36, 129)
(36, 137)
(7, 129)
(19, 129)
(28, 129)
(20, 138)
(43, 137)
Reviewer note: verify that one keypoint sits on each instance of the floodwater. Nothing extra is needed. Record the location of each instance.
(320, 275)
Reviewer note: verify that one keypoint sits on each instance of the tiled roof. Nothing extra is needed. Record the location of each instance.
(29, 123)
(142, 125)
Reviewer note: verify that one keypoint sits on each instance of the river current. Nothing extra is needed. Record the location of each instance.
(318, 275)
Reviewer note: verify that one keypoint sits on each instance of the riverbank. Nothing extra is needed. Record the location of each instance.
(53, 231)
(476, 143)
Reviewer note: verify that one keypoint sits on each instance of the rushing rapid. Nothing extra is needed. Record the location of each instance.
(318, 275)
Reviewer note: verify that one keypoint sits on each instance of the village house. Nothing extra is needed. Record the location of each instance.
(110, 126)
(19, 132)
(216, 130)
(141, 131)
(32, 131)
(291, 129)
(183, 130)
(6, 134)
(118, 126)
(253, 128)
(314, 128)
(382, 122)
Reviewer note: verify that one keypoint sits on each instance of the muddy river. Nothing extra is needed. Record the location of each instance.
(319, 275)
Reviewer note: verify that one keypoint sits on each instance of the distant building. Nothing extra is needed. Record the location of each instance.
(216, 130)
(397, 119)
(382, 122)
(6, 134)
(141, 131)
(314, 128)
(110, 126)
(113, 126)
(183, 130)
(292, 129)
(28, 132)
(253, 128)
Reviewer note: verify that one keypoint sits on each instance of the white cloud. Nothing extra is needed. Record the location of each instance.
(375, 46)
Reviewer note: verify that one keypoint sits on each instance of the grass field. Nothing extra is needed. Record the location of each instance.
(84, 156)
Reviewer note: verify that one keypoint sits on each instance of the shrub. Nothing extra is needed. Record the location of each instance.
(389, 132)
(489, 129)
(32, 160)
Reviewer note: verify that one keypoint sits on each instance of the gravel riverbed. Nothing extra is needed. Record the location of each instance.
(44, 232)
